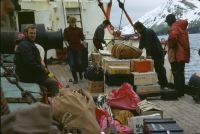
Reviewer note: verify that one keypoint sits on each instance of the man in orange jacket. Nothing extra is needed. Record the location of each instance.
(178, 50)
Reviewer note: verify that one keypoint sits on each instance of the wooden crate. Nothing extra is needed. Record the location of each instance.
(147, 78)
(110, 61)
(147, 89)
(118, 70)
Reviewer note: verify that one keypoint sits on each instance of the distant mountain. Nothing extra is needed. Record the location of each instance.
(183, 9)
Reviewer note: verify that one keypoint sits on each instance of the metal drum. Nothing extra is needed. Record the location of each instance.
(48, 40)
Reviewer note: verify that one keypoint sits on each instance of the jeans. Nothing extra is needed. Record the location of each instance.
(75, 62)
(179, 76)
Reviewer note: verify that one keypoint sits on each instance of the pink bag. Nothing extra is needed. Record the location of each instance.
(105, 120)
(124, 98)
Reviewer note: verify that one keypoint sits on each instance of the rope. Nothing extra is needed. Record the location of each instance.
(24, 93)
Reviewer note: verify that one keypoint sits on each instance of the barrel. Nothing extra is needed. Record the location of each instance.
(113, 50)
(126, 52)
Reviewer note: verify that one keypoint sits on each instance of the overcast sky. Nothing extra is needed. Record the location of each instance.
(135, 9)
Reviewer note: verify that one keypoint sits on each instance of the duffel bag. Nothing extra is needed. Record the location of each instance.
(94, 73)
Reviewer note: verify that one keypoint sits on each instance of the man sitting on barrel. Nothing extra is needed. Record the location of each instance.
(28, 62)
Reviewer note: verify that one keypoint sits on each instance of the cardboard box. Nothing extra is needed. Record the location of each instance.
(96, 86)
(145, 89)
(147, 108)
(147, 78)
(118, 70)
(136, 123)
(110, 61)
(142, 65)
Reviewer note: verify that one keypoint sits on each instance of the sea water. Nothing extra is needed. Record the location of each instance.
(194, 64)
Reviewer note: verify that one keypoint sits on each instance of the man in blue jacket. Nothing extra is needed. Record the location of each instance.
(151, 43)
(28, 62)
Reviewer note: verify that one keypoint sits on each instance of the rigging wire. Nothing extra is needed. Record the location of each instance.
(121, 5)
(121, 18)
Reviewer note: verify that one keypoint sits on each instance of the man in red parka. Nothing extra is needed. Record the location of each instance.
(178, 50)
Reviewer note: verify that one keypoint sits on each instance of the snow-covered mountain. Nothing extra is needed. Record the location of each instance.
(183, 9)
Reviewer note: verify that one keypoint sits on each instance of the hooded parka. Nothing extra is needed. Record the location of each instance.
(178, 42)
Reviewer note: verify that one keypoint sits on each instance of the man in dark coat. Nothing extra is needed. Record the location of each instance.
(151, 43)
(98, 38)
(28, 62)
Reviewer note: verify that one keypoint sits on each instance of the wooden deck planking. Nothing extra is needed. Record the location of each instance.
(185, 111)
(63, 74)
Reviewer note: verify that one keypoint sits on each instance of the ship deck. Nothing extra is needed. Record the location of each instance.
(184, 110)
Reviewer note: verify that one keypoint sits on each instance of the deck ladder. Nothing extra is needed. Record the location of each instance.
(75, 10)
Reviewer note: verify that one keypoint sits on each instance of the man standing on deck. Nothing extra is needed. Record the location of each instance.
(98, 38)
(74, 38)
(151, 43)
(178, 50)
(28, 62)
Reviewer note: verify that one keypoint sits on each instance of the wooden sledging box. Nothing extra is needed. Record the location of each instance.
(118, 70)
(147, 78)
(142, 65)
(110, 61)
(161, 126)
(96, 86)
(118, 79)
(147, 89)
